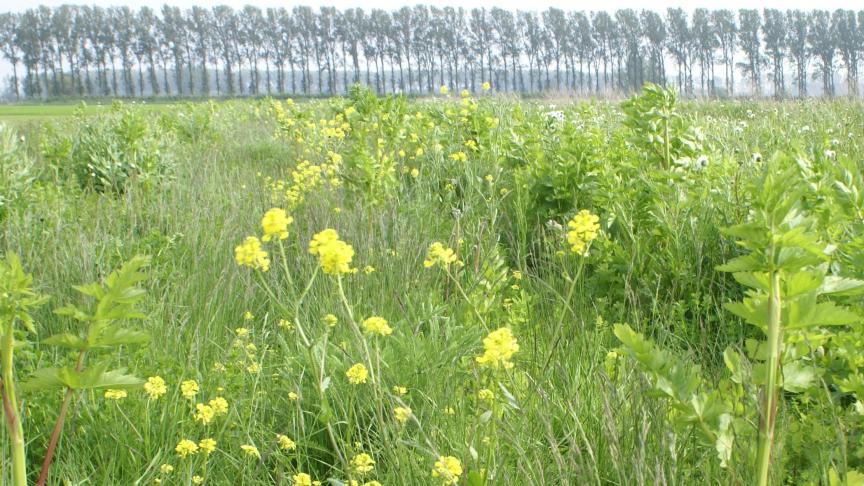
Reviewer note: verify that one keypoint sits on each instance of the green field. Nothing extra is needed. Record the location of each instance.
(550, 277)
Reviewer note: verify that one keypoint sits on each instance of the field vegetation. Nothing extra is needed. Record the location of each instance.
(464, 290)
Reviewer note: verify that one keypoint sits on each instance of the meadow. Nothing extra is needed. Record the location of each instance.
(470, 290)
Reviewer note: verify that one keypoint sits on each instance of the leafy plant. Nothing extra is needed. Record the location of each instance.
(107, 153)
(115, 301)
(659, 129)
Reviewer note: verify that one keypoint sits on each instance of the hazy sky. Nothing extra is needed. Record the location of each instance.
(18, 5)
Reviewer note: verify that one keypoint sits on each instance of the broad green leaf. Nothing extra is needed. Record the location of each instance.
(841, 286)
(66, 340)
(797, 377)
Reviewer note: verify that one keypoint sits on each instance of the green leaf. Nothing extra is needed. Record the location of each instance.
(841, 286)
(798, 377)
(734, 363)
(66, 340)
(114, 336)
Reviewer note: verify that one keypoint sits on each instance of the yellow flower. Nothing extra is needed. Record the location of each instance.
(517, 275)
(251, 451)
(302, 479)
(357, 374)
(464, 93)
(449, 411)
(115, 394)
(362, 463)
(248, 316)
(448, 468)
(250, 254)
(186, 447)
(285, 324)
(368, 269)
(189, 389)
(241, 332)
(498, 348)
(377, 325)
(155, 387)
(204, 413)
(402, 414)
(372, 483)
(443, 89)
(197, 479)
(334, 255)
(584, 228)
(166, 468)
(285, 443)
(207, 445)
(330, 320)
(219, 406)
(292, 396)
(485, 394)
(459, 156)
(254, 368)
(275, 223)
(399, 390)
(439, 254)
(486, 86)
(415, 173)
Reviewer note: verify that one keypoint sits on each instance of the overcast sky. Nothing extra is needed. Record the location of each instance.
(18, 5)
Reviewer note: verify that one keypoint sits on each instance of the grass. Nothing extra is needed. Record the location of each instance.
(564, 414)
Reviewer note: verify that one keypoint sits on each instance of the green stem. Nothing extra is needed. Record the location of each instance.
(769, 402)
(563, 313)
(10, 411)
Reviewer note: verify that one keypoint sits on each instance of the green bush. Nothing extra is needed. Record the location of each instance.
(107, 153)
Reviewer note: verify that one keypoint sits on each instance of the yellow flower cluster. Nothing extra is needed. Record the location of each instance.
(250, 254)
(498, 348)
(438, 254)
(207, 446)
(189, 389)
(285, 442)
(459, 156)
(334, 255)
(275, 224)
(402, 414)
(206, 412)
(251, 451)
(377, 325)
(357, 374)
(584, 228)
(362, 463)
(448, 468)
(115, 394)
(185, 448)
(301, 479)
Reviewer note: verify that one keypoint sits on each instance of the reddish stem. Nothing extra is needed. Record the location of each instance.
(58, 427)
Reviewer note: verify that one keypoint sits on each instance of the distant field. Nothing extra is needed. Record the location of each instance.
(28, 112)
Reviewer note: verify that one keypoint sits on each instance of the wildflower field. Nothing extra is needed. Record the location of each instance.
(465, 290)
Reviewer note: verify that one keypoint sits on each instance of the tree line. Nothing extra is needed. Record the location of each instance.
(77, 51)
